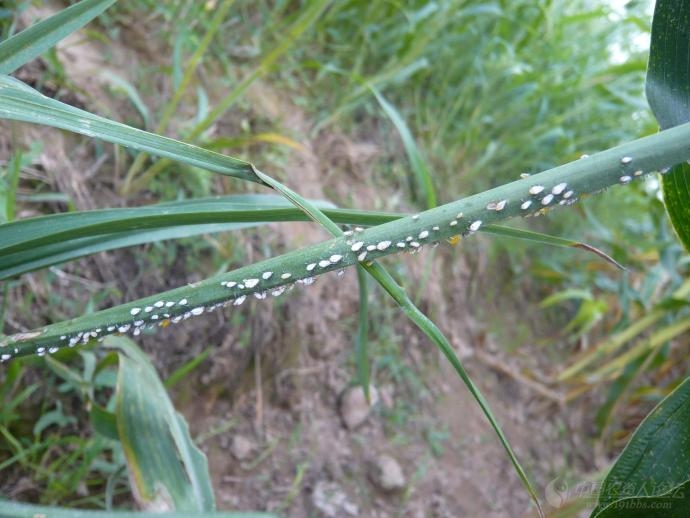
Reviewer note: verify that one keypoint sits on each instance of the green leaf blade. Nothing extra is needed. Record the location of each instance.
(169, 472)
(21, 102)
(34, 41)
(668, 93)
(657, 457)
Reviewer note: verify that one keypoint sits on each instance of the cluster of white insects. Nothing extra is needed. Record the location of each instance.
(164, 312)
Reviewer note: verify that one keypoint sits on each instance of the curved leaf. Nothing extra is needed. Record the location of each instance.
(19, 101)
(668, 93)
(657, 458)
(167, 471)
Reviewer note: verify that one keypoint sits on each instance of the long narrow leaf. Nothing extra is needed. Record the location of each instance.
(21, 102)
(34, 41)
(417, 162)
(410, 233)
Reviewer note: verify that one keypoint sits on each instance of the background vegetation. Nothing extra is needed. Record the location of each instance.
(394, 106)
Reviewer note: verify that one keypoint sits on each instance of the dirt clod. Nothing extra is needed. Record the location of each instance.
(354, 407)
(241, 447)
(386, 474)
(330, 501)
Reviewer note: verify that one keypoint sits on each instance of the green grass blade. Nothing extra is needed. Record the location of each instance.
(436, 336)
(414, 156)
(34, 41)
(668, 93)
(171, 107)
(657, 339)
(296, 30)
(185, 79)
(119, 83)
(170, 473)
(183, 371)
(21, 102)
(545, 239)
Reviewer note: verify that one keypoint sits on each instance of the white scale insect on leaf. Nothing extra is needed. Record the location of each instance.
(498, 206)
(558, 189)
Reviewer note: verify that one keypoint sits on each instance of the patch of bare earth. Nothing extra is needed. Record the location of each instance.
(268, 403)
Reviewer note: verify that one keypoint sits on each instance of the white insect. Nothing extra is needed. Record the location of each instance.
(558, 189)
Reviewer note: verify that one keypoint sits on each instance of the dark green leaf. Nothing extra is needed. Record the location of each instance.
(673, 504)
(668, 93)
(657, 458)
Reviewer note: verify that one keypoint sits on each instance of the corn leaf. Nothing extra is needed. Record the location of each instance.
(655, 462)
(168, 472)
(19, 101)
(34, 41)
(462, 217)
(668, 93)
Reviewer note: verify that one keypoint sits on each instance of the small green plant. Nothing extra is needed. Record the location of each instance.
(169, 472)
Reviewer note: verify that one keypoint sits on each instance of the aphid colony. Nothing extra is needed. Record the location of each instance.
(164, 312)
